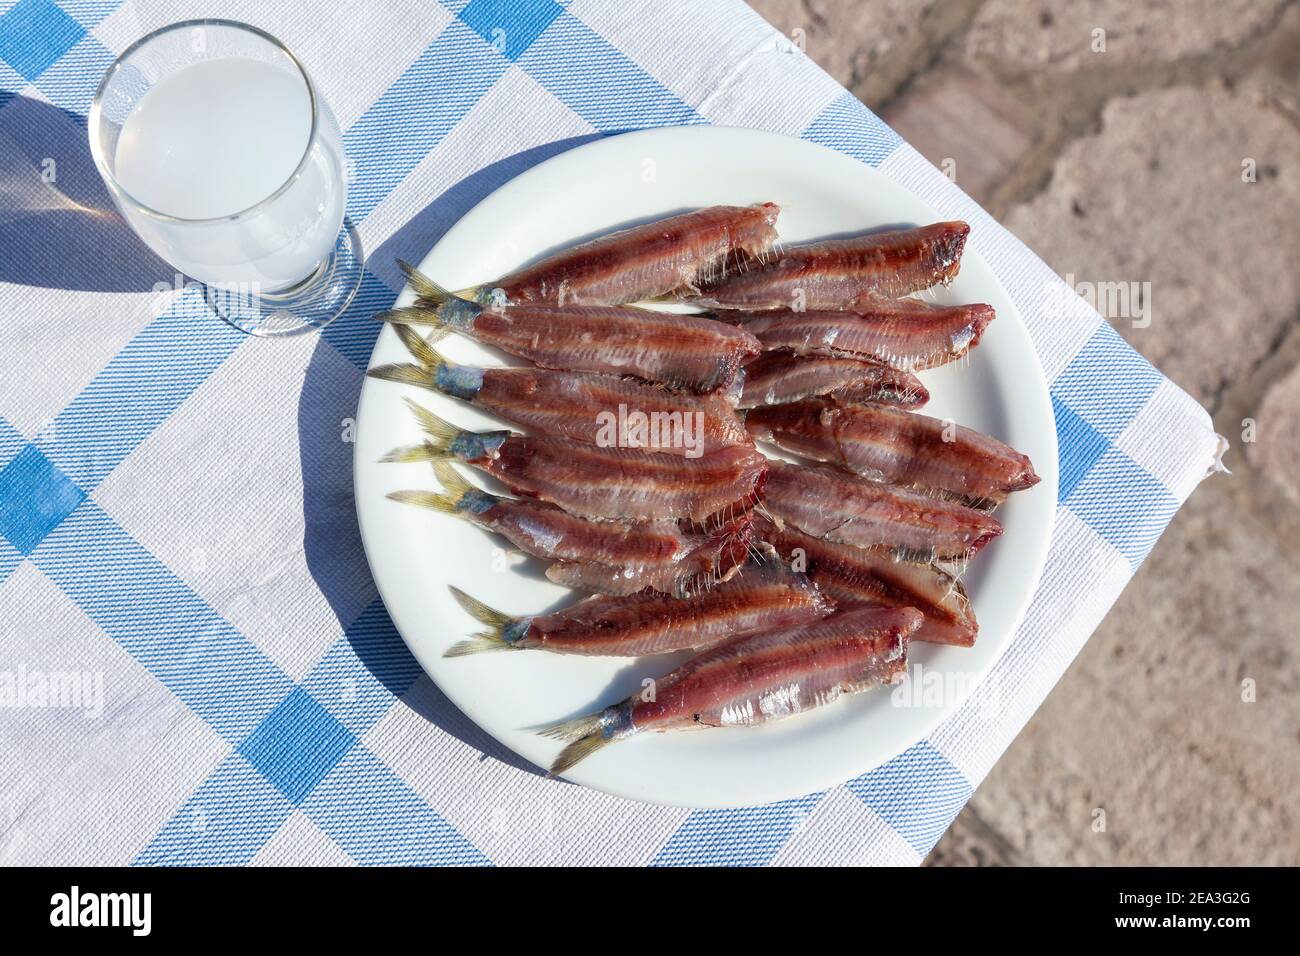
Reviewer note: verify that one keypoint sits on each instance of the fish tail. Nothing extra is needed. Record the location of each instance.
(426, 499)
(453, 483)
(578, 750)
(425, 451)
(461, 381)
(415, 315)
(493, 618)
(451, 500)
(478, 644)
(437, 446)
(410, 315)
(418, 345)
(587, 734)
(583, 735)
(441, 433)
(408, 373)
(426, 290)
(493, 639)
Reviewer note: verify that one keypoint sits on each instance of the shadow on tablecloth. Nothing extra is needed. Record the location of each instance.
(59, 228)
(330, 390)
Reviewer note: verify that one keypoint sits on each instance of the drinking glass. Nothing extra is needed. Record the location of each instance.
(221, 155)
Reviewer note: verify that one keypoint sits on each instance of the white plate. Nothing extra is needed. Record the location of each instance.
(415, 554)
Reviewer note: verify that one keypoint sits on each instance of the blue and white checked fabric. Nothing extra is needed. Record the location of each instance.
(194, 665)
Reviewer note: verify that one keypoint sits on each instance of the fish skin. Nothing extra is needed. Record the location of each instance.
(859, 576)
(643, 262)
(836, 273)
(764, 596)
(686, 352)
(905, 448)
(905, 334)
(610, 557)
(591, 481)
(827, 503)
(716, 560)
(624, 483)
(776, 378)
(756, 679)
(583, 406)
(570, 404)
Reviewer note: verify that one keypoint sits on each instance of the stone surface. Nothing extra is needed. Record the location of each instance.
(1276, 449)
(851, 40)
(1036, 33)
(1158, 195)
(966, 125)
(1127, 166)
(1149, 723)
(971, 841)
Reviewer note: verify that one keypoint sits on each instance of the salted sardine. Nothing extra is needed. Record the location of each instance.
(776, 378)
(608, 557)
(901, 447)
(686, 352)
(642, 262)
(596, 482)
(836, 273)
(598, 409)
(903, 333)
(752, 680)
(911, 526)
(765, 595)
(858, 576)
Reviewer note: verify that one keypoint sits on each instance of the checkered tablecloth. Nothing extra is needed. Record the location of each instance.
(194, 664)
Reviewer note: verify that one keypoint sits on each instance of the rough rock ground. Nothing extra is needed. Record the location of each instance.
(1169, 157)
